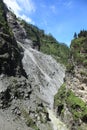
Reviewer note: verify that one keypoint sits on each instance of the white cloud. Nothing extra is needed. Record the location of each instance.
(13, 5)
(21, 8)
(27, 19)
(27, 5)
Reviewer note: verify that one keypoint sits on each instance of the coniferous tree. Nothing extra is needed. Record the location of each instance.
(75, 35)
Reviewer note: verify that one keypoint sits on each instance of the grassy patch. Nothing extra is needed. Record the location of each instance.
(76, 106)
(59, 98)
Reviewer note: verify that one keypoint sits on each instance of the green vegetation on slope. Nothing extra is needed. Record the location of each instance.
(3, 21)
(75, 105)
(10, 56)
(48, 44)
(78, 52)
(28, 120)
(79, 48)
(2, 16)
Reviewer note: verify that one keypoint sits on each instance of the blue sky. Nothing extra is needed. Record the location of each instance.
(61, 18)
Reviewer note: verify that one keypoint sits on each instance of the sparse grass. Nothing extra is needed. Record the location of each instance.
(70, 68)
(28, 120)
(76, 106)
(59, 98)
(43, 114)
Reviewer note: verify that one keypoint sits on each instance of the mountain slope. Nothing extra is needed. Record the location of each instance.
(41, 41)
(71, 99)
(28, 80)
(46, 43)
(10, 55)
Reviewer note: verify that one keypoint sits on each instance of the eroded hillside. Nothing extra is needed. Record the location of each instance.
(28, 79)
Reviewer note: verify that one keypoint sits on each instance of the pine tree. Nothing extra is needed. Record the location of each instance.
(75, 35)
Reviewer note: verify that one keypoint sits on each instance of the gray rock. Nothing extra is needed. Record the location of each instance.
(26, 95)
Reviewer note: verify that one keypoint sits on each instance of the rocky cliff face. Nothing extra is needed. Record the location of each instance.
(18, 29)
(28, 80)
(10, 53)
(78, 82)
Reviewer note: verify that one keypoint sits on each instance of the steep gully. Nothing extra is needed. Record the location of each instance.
(44, 73)
(50, 81)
